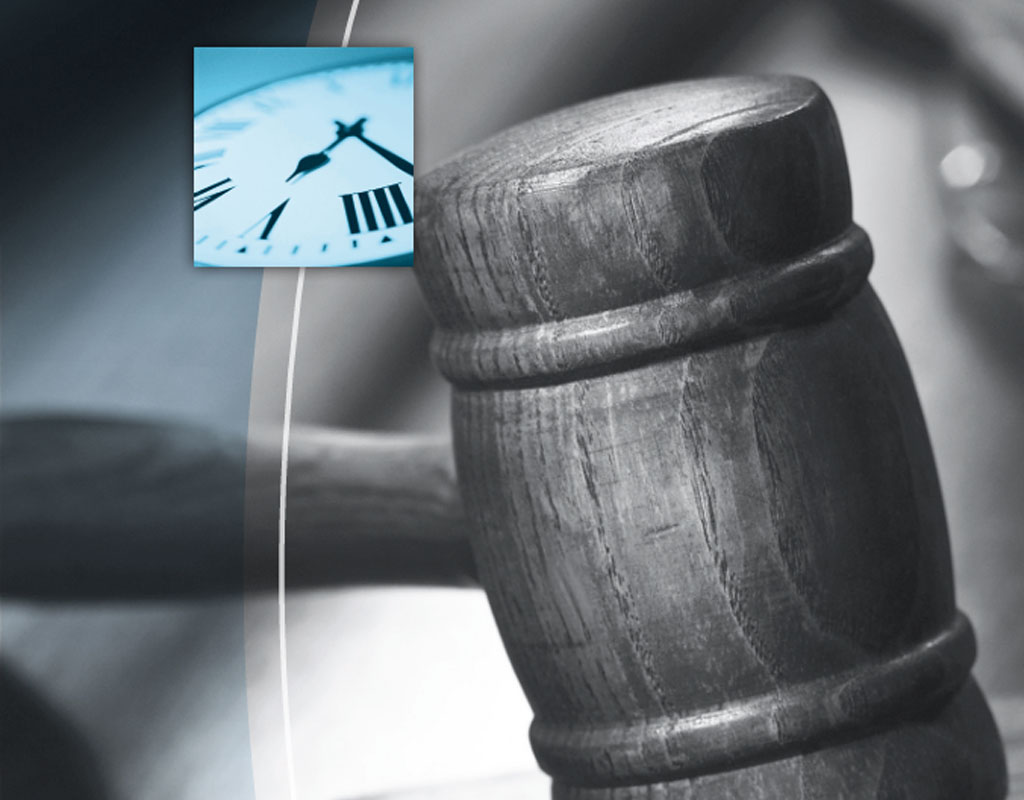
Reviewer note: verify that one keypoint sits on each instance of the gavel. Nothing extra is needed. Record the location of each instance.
(692, 470)
(700, 492)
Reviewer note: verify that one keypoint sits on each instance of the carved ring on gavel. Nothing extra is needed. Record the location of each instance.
(692, 468)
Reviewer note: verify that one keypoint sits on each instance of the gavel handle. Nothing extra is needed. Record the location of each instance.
(102, 509)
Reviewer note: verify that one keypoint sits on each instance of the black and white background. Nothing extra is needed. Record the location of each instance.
(102, 313)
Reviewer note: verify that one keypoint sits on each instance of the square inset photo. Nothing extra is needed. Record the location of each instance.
(303, 156)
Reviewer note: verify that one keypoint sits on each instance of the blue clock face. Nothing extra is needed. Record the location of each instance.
(313, 170)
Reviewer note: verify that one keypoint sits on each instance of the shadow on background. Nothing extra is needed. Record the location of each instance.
(32, 727)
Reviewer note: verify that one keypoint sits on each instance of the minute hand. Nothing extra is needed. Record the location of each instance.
(398, 161)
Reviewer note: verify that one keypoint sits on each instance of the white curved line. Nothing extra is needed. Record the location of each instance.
(351, 21)
(283, 496)
(281, 518)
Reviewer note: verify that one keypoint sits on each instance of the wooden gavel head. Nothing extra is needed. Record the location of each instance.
(701, 494)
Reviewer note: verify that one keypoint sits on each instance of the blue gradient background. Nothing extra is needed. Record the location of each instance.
(102, 313)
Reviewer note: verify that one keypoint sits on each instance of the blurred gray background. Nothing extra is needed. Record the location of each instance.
(398, 688)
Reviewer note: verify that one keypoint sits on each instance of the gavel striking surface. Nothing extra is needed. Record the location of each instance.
(701, 494)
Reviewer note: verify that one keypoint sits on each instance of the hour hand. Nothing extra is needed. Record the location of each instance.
(308, 164)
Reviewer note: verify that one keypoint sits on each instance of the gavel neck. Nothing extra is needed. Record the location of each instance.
(114, 508)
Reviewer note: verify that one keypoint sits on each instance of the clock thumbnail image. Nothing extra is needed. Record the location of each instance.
(303, 157)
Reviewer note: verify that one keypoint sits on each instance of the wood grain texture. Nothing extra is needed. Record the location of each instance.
(629, 198)
(95, 508)
(718, 558)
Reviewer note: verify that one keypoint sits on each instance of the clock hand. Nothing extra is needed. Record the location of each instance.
(355, 130)
(397, 160)
(316, 160)
(309, 163)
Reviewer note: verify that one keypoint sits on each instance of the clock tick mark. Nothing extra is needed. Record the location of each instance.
(202, 239)
(268, 249)
(218, 247)
(324, 248)
(295, 249)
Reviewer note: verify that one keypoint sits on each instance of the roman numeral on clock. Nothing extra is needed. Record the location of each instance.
(201, 160)
(361, 208)
(222, 129)
(207, 195)
(271, 219)
(269, 104)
